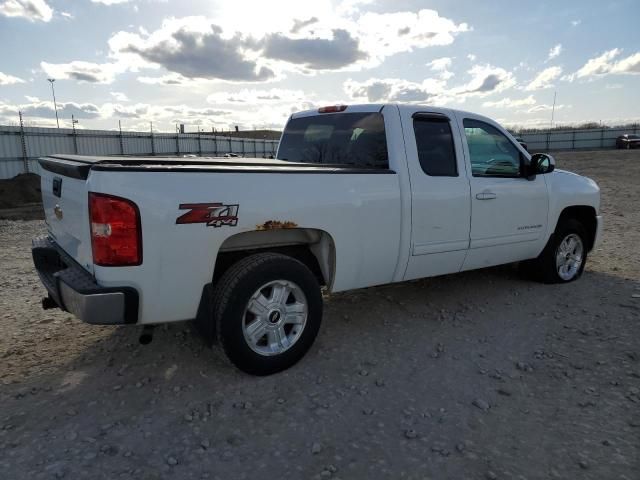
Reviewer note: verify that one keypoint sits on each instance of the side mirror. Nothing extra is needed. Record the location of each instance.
(542, 163)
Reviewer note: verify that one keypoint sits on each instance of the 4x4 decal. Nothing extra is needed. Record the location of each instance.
(213, 214)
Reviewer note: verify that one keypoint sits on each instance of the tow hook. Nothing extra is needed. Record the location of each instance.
(48, 303)
(146, 337)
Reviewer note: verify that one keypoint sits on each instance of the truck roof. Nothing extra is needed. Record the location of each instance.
(377, 107)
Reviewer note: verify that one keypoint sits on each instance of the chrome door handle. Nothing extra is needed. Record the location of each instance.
(486, 196)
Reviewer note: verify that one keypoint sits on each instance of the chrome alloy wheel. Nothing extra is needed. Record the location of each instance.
(275, 317)
(569, 257)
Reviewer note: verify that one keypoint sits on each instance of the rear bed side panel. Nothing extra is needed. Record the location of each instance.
(360, 211)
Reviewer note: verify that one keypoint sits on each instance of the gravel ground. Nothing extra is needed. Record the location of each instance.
(479, 375)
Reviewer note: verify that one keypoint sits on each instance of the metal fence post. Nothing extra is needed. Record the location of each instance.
(548, 140)
(230, 147)
(120, 138)
(573, 140)
(25, 159)
(177, 143)
(199, 142)
(153, 147)
(215, 145)
(602, 138)
(75, 135)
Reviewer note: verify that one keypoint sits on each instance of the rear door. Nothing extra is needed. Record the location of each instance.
(440, 206)
(508, 211)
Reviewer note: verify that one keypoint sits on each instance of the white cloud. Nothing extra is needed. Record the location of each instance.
(253, 96)
(441, 67)
(396, 90)
(509, 103)
(322, 38)
(385, 34)
(32, 10)
(110, 2)
(171, 79)
(545, 108)
(83, 71)
(554, 52)
(606, 64)
(486, 79)
(119, 96)
(440, 64)
(544, 79)
(67, 15)
(6, 79)
(575, 23)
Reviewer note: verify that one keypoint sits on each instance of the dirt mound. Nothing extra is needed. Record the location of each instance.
(20, 190)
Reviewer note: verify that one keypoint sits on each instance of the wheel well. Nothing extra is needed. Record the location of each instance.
(315, 248)
(586, 215)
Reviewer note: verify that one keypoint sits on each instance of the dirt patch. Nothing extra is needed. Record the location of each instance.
(479, 375)
(20, 198)
(20, 190)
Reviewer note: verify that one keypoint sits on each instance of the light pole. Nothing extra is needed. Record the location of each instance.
(55, 105)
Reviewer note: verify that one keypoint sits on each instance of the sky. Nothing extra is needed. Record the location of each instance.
(218, 64)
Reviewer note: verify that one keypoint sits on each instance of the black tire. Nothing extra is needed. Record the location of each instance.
(544, 267)
(232, 294)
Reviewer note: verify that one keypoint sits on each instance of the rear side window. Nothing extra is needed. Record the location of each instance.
(339, 138)
(436, 152)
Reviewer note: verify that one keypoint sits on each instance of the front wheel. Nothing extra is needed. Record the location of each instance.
(267, 311)
(565, 256)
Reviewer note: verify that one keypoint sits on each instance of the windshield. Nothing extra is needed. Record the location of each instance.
(633, 137)
(339, 138)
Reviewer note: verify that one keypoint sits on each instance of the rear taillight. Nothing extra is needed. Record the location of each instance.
(116, 237)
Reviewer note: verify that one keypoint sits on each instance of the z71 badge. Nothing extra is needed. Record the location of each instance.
(213, 214)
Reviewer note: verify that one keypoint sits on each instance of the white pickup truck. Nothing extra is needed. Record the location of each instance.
(358, 196)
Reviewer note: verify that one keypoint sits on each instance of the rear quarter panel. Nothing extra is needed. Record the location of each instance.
(361, 212)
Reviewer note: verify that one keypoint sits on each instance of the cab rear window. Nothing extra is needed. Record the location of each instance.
(341, 138)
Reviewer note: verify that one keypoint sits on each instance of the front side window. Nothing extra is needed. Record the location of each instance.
(492, 153)
(339, 138)
(434, 142)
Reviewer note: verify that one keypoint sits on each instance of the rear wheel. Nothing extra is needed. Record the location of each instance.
(267, 312)
(564, 258)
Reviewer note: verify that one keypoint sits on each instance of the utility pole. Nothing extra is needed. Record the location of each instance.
(553, 109)
(55, 105)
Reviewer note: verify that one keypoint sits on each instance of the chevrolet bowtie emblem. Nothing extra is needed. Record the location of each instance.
(58, 211)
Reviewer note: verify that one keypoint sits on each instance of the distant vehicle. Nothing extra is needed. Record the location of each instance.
(628, 141)
(522, 142)
(357, 196)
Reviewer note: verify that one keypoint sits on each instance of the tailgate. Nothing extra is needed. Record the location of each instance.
(65, 200)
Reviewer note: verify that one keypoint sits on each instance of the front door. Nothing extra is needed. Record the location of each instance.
(508, 211)
(440, 207)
